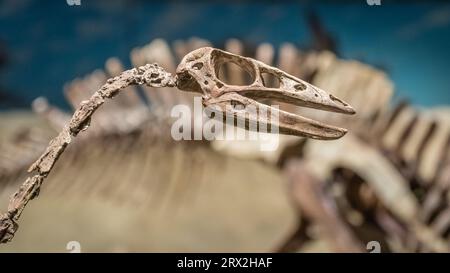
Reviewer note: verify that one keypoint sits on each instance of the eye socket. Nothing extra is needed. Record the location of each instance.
(233, 70)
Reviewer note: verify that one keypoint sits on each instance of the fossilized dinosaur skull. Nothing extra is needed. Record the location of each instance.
(199, 70)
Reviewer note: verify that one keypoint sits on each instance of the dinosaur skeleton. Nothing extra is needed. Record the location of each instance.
(197, 72)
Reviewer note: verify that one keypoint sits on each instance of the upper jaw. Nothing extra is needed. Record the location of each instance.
(198, 72)
(295, 92)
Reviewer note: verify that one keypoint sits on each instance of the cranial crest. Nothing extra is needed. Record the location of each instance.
(198, 72)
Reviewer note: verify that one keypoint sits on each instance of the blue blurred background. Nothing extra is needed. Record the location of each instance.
(47, 43)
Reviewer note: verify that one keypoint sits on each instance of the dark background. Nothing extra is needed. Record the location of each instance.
(47, 43)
